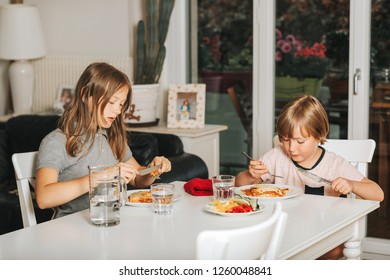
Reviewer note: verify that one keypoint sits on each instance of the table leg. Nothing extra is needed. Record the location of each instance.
(352, 250)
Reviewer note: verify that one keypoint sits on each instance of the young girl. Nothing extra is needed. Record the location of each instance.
(302, 126)
(91, 133)
(185, 110)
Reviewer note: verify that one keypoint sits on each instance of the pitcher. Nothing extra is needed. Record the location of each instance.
(107, 193)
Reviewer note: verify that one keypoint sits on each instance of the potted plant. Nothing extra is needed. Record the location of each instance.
(300, 67)
(150, 56)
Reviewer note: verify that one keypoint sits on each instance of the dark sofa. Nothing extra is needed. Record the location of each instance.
(24, 134)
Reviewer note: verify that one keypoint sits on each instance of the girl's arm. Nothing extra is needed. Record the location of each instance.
(51, 193)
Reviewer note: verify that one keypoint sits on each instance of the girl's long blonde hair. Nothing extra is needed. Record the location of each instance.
(96, 85)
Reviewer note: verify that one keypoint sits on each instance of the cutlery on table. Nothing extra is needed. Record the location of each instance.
(273, 175)
(314, 176)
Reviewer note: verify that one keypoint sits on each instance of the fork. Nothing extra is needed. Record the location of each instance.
(251, 158)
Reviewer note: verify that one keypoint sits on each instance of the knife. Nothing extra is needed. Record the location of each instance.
(145, 171)
(314, 176)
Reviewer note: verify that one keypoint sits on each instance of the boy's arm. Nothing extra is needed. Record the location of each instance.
(368, 189)
(245, 178)
(365, 189)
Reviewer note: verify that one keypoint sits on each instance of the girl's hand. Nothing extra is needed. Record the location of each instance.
(342, 185)
(257, 169)
(128, 172)
(165, 165)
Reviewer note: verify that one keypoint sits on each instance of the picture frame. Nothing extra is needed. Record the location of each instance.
(186, 106)
(63, 99)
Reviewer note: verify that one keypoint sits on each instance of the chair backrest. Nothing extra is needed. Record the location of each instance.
(261, 241)
(24, 165)
(358, 152)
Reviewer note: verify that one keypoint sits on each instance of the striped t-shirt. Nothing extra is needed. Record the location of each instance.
(329, 166)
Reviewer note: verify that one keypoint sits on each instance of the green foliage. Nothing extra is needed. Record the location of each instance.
(151, 36)
(296, 59)
(337, 46)
(225, 34)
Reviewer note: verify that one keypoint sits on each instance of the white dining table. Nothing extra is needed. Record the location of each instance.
(315, 225)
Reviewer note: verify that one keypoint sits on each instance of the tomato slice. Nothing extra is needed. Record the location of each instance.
(242, 208)
(247, 208)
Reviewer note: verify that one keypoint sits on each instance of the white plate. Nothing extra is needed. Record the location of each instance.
(293, 191)
(211, 208)
(178, 195)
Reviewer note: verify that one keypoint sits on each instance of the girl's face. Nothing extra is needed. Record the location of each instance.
(302, 149)
(113, 108)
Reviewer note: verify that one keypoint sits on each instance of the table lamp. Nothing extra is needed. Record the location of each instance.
(21, 39)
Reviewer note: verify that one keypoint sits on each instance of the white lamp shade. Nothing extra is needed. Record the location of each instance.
(21, 34)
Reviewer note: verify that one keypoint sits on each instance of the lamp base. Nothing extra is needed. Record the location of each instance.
(21, 75)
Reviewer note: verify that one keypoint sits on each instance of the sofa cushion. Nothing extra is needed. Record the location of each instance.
(4, 158)
(23, 133)
(144, 147)
(185, 167)
(169, 145)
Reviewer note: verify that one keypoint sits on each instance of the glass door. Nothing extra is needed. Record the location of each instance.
(312, 57)
(223, 32)
(351, 112)
(378, 225)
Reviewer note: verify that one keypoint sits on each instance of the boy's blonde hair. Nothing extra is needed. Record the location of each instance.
(307, 113)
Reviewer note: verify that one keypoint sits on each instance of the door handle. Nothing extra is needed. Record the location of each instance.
(356, 78)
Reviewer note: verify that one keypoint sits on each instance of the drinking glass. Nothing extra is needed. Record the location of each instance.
(162, 198)
(223, 186)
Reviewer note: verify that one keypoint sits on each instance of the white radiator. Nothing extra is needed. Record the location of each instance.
(52, 72)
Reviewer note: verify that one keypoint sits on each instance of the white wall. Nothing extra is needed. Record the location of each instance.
(100, 28)
(80, 27)
(4, 94)
(85, 27)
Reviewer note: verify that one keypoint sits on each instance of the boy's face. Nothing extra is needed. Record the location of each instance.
(303, 149)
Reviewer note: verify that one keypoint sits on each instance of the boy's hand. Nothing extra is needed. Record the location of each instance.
(257, 169)
(342, 185)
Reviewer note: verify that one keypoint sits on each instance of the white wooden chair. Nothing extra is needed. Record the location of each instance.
(358, 152)
(24, 166)
(261, 241)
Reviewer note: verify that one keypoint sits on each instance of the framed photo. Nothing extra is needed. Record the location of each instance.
(64, 96)
(186, 106)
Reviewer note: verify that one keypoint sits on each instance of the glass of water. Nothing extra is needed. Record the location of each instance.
(162, 198)
(223, 186)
